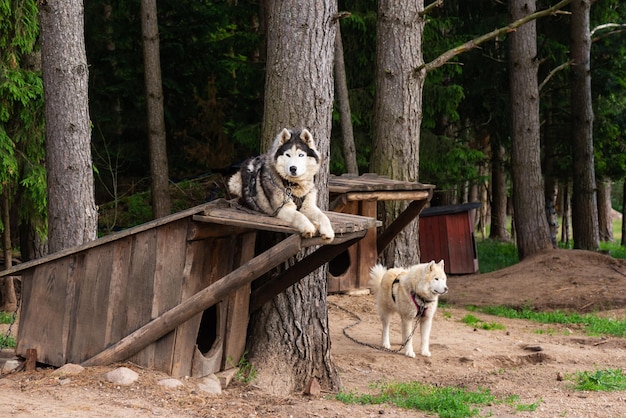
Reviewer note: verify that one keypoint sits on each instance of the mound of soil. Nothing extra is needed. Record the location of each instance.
(531, 361)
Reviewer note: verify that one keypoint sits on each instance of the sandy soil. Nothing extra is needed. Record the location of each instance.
(507, 362)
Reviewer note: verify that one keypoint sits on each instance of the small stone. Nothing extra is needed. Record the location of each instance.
(68, 370)
(313, 388)
(210, 384)
(170, 383)
(121, 376)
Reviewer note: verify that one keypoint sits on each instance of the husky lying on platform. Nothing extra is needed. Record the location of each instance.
(411, 292)
(281, 183)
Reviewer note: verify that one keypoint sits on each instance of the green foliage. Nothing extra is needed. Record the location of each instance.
(592, 324)
(246, 372)
(444, 401)
(472, 321)
(7, 341)
(22, 152)
(495, 255)
(6, 317)
(599, 380)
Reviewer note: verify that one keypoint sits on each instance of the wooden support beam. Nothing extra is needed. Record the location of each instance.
(197, 303)
(292, 275)
(411, 212)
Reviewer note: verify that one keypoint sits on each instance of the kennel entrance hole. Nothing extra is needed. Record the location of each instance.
(339, 265)
(208, 331)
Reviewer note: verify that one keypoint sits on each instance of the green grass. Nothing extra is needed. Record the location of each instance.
(472, 321)
(6, 317)
(599, 380)
(495, 255)
(592, 324)
(446, 402)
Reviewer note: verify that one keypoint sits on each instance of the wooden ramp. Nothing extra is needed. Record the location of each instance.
(172, 294)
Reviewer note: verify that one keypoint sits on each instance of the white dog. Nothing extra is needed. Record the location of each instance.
(281, 183)
(413, 293)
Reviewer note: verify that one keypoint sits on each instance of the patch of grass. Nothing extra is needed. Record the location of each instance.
(6, 317)
(495, 255)
(7, 342)
(599, 380)
(592, 324)
(472, 321)
(446, 402)
(246, 372)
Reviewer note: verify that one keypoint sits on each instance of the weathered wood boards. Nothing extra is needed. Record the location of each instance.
(140, 294)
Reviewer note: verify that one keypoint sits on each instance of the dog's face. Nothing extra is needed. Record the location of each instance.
(296, 157)
(433, 280)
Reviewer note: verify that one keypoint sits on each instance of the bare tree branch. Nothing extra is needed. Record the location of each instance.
(553, 72)
(448, 55)
(431, 6)
(607, 25)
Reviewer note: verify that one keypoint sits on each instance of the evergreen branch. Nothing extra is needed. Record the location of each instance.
(467, 46)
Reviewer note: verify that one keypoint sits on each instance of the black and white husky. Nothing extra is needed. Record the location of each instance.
(281, 183)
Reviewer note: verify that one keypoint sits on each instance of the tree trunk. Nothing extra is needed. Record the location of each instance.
(605, 213)
(72, 213)
(289, 337)
(343, 106)
(398, 113)
(623, 241)
(161, 205)
(584, 198)
(531, 225)
(498, 229)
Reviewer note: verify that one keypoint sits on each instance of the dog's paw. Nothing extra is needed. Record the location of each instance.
(326, 231)
(425, 353)
(327, 238)
(409, 353)
(386, 345)
(307, 229)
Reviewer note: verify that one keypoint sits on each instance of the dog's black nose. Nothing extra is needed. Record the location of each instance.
(293, 169)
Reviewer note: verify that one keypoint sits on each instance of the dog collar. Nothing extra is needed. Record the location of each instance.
(421, 308)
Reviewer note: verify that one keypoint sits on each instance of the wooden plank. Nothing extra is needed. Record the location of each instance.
(388, 195)
(88, 324)
(119, 299)
(237, 315)
(170, 263)
(287, 278)
(198, 303)
(187, 332)
(140, 288)
(368, 253)
(44, 318)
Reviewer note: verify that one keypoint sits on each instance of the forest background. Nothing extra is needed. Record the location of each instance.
(213, 64)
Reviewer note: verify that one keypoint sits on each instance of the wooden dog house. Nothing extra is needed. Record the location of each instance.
(173, 294)
(359, 195)
(447, 233)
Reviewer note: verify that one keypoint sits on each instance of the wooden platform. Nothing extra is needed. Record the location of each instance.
(360, 195)
(172, 294)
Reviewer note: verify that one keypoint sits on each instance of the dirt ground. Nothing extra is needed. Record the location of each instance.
(526, 359)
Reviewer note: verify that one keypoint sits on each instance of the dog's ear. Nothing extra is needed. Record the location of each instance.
(440, 263)
(283, 136)
(430, 265)
(307, 138)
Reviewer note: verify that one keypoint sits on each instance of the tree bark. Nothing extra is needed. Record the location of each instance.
(161, 205)
(584, 198)
(531, 225)
(398, 113)
(498, 229)
(605, 212)
(343, 106)
(289, 339)
(72, 213)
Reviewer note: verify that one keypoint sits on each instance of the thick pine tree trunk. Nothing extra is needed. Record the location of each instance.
(289, 339)
(398, 113)
(531, 225)
(161, 205)
(72, 213)
(584, 197)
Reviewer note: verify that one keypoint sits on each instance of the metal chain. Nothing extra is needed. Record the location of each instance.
(4, 341)
(377, 347)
